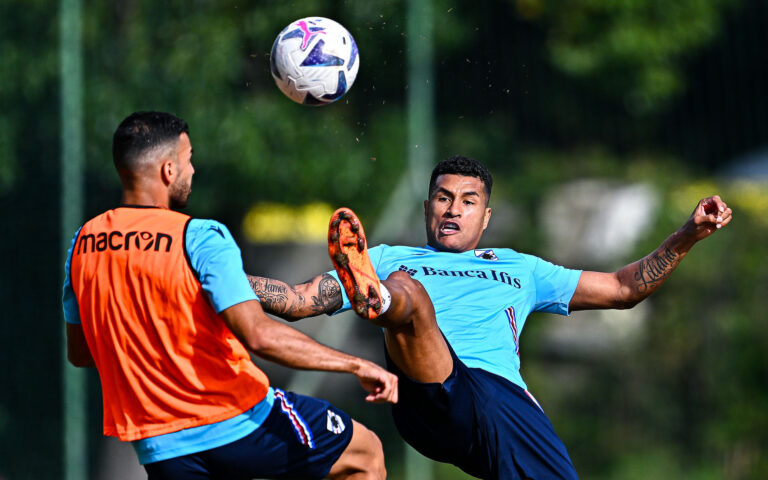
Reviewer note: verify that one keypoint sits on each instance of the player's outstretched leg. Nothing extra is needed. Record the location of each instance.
(349, 254)
(413, 339)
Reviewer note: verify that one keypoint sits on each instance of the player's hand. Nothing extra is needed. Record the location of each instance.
(380, 384)
(709, 215)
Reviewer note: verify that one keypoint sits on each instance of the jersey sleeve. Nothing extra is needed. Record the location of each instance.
(555, 286)
(216, 260)
(375, 254)
(68, 299)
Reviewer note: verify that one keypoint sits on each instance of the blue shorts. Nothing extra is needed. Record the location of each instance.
(301, 438)
(482, 423)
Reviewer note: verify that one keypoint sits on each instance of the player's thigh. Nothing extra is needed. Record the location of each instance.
(418, 347)
(363, 457)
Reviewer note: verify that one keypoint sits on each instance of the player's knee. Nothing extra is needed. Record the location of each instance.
(399, 276)
(411, 288)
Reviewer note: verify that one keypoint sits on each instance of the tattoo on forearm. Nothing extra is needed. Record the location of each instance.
(284, 300)
(273, 294)
(654, 269)
(328, 297)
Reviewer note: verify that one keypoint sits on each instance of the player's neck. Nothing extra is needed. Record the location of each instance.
(441, 248)
(144, 198)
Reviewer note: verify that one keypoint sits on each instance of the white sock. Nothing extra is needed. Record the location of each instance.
(386, 298)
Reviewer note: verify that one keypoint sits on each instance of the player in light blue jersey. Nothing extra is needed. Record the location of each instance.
(496, 288)
(452, 315)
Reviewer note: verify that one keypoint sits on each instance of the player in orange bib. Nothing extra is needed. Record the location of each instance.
(158, 302)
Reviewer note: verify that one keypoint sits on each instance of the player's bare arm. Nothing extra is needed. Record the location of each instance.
(636, 281)
(282, 344)
(321, 294)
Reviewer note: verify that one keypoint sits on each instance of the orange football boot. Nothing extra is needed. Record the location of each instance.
(349, 254)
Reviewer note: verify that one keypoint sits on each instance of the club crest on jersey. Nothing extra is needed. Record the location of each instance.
(334, 423)
(486, 254)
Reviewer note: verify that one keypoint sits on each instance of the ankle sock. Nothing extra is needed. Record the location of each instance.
(386, 298)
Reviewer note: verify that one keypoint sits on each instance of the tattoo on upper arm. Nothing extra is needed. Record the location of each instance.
(654, 269)
(328, 297)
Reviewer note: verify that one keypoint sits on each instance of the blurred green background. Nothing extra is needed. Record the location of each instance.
(603, 122)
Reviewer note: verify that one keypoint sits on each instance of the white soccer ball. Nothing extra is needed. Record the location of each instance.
(314, 61)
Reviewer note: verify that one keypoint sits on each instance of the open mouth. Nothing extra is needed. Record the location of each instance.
(449, 228)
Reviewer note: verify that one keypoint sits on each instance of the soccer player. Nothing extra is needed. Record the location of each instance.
(159, 303)
(452, 315)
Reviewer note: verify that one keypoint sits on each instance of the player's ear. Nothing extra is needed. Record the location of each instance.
(168, 170)
(486, 217)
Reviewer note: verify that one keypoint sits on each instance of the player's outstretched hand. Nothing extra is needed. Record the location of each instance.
(380, 384)
(709, 215)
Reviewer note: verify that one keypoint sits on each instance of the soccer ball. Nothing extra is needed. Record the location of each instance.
(314, 61)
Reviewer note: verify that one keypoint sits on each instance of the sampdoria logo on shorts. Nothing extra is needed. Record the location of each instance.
(334, 423)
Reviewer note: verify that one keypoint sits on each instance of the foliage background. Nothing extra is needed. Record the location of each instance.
(670, 94)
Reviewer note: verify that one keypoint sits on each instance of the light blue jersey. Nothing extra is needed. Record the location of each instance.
(482, 297)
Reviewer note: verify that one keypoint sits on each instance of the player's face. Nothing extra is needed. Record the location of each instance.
(456, 213)
(181, 187)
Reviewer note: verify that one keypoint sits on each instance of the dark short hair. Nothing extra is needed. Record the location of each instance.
(460, 165)
(142, 131)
